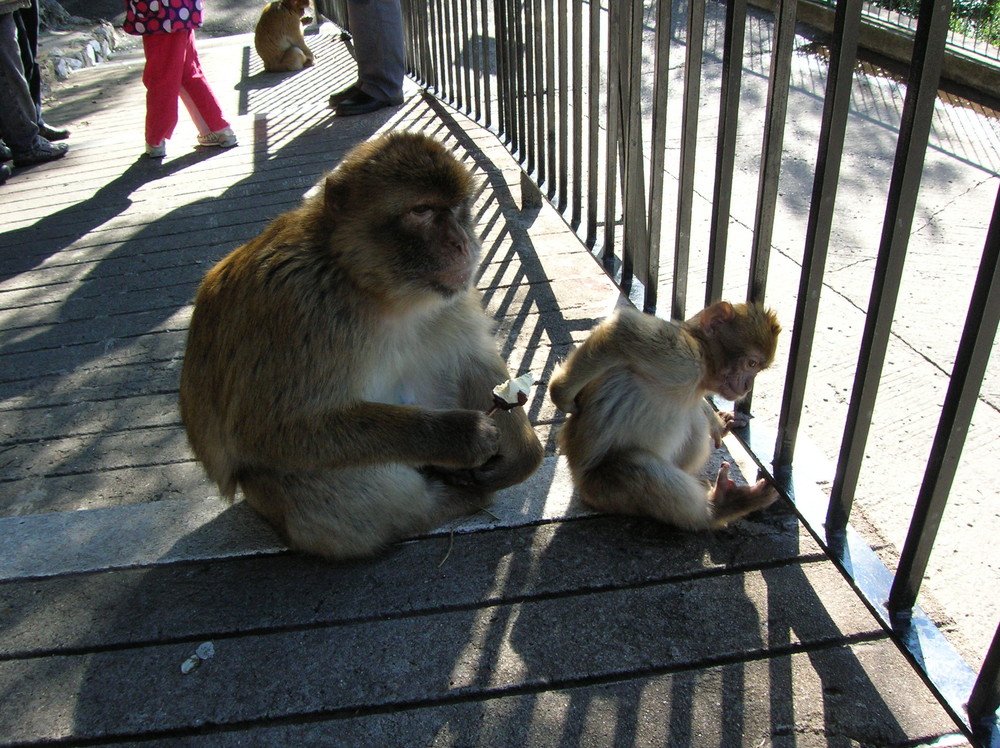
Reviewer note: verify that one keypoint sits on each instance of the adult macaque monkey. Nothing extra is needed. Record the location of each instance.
(339, 366)
(278, 36)
(639, 428)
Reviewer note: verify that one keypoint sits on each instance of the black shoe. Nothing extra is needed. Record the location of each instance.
(361, 103)
(344, 93)
(52, 133)
(5, 154)
(5, 171)
(41, 153)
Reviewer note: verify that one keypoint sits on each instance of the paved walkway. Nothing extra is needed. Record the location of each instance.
(540, 625)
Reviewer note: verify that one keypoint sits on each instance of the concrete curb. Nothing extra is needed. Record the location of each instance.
(46, 545)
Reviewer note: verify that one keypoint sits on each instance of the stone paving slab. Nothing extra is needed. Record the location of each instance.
(837, 695)
(443, 652)
(77, 613)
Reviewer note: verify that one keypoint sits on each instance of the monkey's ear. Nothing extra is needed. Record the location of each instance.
(336, 195)
(714, 316)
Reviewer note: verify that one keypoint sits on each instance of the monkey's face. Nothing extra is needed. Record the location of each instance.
(735, 378)
(436, 246)
(740, 341)
(298, 7)
(401, 205)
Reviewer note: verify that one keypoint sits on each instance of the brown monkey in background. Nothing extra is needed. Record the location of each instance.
(278, 36)
(339, 366)
(639, 428)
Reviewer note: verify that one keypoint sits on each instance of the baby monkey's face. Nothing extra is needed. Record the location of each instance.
(297, 6)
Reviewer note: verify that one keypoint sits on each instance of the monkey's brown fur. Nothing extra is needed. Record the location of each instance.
(639, 429)
(339, 365)
(278, 36)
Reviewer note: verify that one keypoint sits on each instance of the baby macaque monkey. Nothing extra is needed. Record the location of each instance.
(278, 36)
(639, 429)
(339, 367)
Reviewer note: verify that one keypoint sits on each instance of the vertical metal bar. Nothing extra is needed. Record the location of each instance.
(635, 237)
(528, 91)
(458, 64)
(438, 35)
(985, 697)
(426, 49)
(774, 131)
(657, 172)
(418, 18)
(577, 182)
(487, 67)
(914, 132)
(454, 55)
(521, 92)
(447, 61)
(465, 47)
(422, 57)
(695, 43)
(503, 73)
(613, 132)
(507, 74)
(451, 42)
(553, 27)
(594, 130)
(971, 360)
(538, 100)
(480, 69)
(564, 54)
(725, 158)
(408, 36)
(409, 33)
(836, 108)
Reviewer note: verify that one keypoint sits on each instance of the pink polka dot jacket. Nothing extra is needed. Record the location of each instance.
(161, 16)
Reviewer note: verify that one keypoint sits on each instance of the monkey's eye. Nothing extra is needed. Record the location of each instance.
(753, 364)
(421, 210)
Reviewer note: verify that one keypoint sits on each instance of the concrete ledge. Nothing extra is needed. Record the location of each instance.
(972, 71)
(45, 545)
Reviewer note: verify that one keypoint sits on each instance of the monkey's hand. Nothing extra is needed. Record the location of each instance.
(734, 420)
(717, 427)
(730, 501)
(463, 439)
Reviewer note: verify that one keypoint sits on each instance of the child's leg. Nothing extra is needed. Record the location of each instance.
(197, 94)
(162, 78)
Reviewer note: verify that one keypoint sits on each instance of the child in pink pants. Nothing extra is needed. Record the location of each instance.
(173, 71)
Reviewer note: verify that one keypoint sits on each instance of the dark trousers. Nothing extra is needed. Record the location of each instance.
(26, 21)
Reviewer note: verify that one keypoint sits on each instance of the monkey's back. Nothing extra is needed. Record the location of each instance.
(255, 321)
(272, 33)
(652, 366)
(622, 403)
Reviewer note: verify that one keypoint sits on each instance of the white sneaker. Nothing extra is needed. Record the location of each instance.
(156, 151)
(224, 138)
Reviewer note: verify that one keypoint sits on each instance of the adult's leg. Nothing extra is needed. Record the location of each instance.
(26, 20)
(377, 28)
(18, 120)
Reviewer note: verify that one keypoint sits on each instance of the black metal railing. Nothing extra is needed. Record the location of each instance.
(578, 92)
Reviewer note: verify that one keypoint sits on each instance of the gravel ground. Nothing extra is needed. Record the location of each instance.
(222, 17)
